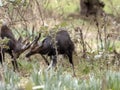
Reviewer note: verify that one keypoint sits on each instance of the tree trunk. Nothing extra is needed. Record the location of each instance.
(91, 7)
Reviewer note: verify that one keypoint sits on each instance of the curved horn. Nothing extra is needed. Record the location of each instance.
(20, 39)
(37, 38)
(34, 41)
(26, 40)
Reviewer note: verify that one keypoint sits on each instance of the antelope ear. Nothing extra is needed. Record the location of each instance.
(20, 39)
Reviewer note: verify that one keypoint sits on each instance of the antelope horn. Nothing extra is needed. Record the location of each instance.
(26, 39)
(34, 41)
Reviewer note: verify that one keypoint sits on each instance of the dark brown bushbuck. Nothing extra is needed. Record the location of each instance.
(15, 47)
(64, 46)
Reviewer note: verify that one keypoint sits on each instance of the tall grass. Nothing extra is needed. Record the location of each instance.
(58, 81)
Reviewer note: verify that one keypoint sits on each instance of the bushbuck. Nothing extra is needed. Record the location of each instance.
(63, 45)
(15, 47)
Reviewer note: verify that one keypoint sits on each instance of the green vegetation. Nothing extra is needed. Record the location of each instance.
(99, 70)
(56, 80)
(112, 7)
(70, 6)
(63, 6)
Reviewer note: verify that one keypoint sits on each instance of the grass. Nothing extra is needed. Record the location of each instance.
(57, 5)
(112, 9)
(57, 80)
(96, 72)
(69, 6)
